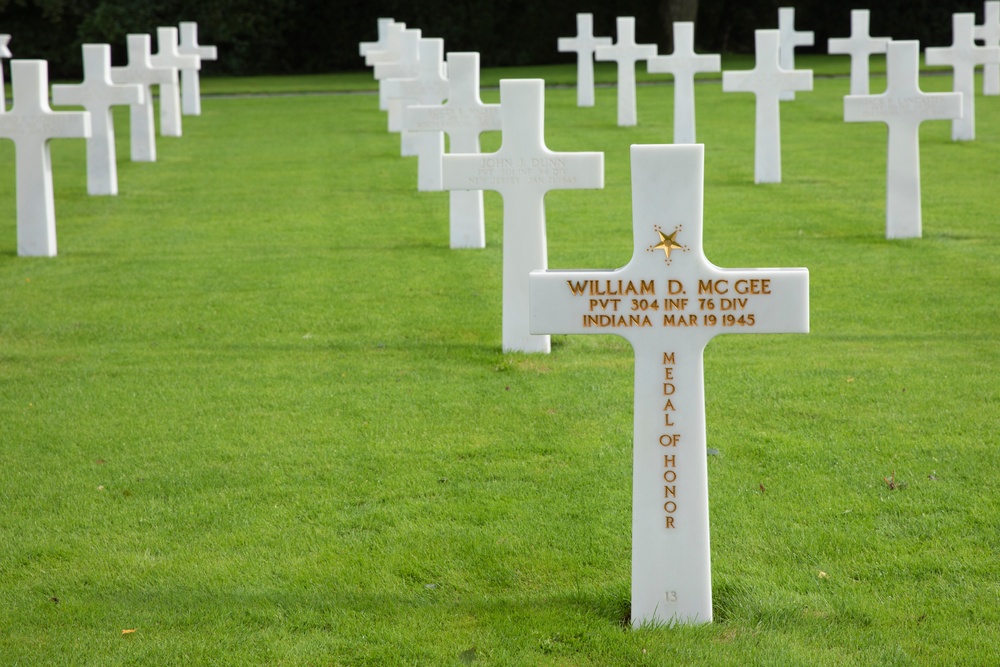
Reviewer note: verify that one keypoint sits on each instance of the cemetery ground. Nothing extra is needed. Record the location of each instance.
(256, 411)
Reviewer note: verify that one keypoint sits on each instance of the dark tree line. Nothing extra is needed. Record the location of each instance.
(309, 36)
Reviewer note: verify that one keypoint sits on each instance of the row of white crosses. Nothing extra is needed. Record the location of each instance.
(410, 72)
(671, 570)
(903, 106)
(523, 170)
(773, 78)
(31, 123)
(683, 64)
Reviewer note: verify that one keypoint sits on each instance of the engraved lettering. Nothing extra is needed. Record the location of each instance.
(611, 287)
(616, 321)
(690, 320)
(753, 286)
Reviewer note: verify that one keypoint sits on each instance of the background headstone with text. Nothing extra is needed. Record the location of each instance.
(902, 107)
(523, 170)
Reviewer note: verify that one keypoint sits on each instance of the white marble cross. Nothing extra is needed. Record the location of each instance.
(97, 94)
(859, 46)
(669, 301)
(31, 123)
(429, 86)
(167, 56)
(463, 117)
(388, 49)
(583, 44)
(523, 171)
(405, 66)
(767, 80)
(902, 107)
(364, 48)
(190, 79)
(141, 70)
(4, 53)
(684, 63)
(790, 38)
(989, 33)
(626, 53)
(962, 56)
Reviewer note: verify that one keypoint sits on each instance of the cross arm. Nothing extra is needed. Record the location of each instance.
(546, 171)
(916, 108)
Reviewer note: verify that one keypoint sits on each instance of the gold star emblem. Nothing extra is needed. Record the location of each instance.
(667, 243)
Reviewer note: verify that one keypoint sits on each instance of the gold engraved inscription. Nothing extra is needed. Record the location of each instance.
(669, 440)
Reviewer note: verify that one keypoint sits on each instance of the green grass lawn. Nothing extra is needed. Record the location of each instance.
(257, 412)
